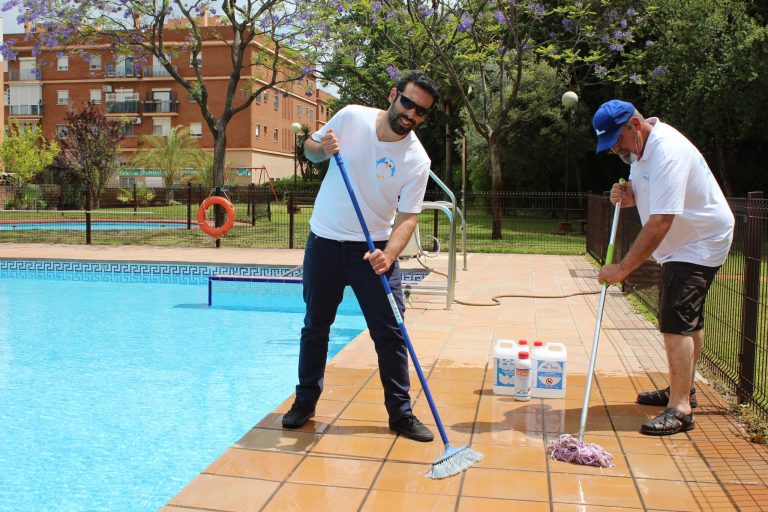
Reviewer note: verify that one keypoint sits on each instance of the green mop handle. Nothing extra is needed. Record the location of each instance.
(600, 307)
(392, 303)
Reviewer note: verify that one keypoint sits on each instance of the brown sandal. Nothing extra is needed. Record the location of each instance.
(660, 397)
(669, 422)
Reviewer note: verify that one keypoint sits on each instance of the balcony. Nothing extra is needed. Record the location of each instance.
(161, 105)
(122, 72)
(16, 75)
(25, 110)
(122, 103)
(156, 72)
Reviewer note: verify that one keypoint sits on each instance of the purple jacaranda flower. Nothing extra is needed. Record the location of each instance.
(635, 78)
(426, 11)
(631, 12)
(600, 70)
(612, 15)
(660, 71)
(393, 72)
(616, 47)
(623, 23)
(500, 17)
(568, 24)
(537, 10)
(466, 22)
(649, 43)
(358, 54)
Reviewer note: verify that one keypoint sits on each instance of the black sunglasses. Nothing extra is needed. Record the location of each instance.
(409, 104)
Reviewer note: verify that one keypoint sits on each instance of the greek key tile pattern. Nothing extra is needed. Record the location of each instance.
(66, 270)
(129, 272)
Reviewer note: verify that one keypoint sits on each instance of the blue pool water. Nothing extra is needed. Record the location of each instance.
(114, 395)
(96, 226)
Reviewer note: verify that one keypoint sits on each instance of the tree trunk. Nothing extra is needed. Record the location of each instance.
(496, 206)
(448, 146)
(722, 166)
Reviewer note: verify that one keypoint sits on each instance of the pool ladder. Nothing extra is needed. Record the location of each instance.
(450, 209)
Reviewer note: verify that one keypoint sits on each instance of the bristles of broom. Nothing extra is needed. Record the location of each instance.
(454, 461)
(569, 449)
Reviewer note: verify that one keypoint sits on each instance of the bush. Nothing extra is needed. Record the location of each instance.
(143, 195)
(29, 197)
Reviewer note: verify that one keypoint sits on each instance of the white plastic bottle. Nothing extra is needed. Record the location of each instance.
(504, 355)
(535, 351)
(550, 371)
(523, 376)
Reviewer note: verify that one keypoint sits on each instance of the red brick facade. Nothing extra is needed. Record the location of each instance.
(145, 93)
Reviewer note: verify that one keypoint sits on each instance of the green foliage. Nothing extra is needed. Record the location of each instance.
(707, 74)
(283, 185)
(144, 195)
(25, 153)
(29, 197)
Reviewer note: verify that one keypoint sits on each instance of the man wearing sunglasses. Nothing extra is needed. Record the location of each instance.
(388, 168)
(687, 227)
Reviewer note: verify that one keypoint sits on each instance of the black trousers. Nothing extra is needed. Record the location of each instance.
(329, 266)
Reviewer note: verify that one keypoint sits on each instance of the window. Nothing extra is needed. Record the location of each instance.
(126, 129)
(195, 129)
(266, 131)
(266, 96)
(275, 135)
(308, 113)
(277, 101)
(95, 96)
(62, 63)
(62, 131)
(193, 60)
(298, 111)
(312, 115)
(95, 62)
(258, 131)
(257, 99)
(62, 97)
(161, 125)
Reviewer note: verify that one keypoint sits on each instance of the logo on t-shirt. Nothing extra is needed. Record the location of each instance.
(385, 166)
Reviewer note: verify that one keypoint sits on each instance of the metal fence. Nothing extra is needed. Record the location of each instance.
(736, 312)
(529, 222)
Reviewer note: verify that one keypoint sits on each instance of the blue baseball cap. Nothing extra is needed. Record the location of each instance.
(608, 120)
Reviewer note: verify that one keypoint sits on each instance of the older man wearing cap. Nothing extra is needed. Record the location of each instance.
(687, 227)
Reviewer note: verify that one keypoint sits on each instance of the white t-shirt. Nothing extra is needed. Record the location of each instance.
(672, 177)
(386, 177)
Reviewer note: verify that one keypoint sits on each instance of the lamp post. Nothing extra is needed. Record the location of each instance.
(295, 128)
(569, 100)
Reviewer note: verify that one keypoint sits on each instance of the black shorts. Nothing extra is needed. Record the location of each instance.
(684, 288)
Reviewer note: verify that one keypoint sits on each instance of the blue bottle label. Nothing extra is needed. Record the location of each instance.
(549, 375)
(505, 372)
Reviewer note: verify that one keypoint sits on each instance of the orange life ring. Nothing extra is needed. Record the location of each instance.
(228, 208)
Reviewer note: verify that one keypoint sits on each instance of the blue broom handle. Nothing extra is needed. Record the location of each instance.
(391, 299)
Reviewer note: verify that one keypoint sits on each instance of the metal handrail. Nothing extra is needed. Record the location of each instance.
(447, 207)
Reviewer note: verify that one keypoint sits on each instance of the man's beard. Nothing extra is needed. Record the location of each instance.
(630, 159)
(393, 117)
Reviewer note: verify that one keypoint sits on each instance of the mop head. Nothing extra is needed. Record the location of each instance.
(570, 449)
(453, 462)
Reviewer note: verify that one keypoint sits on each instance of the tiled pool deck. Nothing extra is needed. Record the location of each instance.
(347, 459)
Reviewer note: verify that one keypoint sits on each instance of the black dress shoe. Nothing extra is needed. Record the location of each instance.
(298, 415)
(409, 426)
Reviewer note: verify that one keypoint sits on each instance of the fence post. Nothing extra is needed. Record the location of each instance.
(135, 198)
(291, 210)
(252, 202)
(189, 205)
(88, 209)
(749, 311)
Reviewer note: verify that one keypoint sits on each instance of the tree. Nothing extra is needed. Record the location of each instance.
(25, 153)
(90, 148)
(707, 73)
(270, 43)
(170, 153)
(484, 49)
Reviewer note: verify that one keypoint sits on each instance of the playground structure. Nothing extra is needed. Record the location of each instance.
(263, 179)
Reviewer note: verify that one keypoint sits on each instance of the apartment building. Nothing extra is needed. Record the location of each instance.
(40, 90)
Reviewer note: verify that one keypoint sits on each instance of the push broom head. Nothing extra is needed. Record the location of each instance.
(453, 462)
(570, 449)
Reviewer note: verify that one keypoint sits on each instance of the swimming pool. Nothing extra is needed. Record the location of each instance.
(118, 385)
(95, 225)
